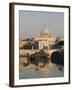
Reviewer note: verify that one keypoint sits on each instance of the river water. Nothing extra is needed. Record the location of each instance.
(50, 70)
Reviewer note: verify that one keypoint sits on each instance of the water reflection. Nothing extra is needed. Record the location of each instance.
(33, 71)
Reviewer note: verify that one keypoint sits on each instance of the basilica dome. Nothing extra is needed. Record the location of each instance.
(45, 32)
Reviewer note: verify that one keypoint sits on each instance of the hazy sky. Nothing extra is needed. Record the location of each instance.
(32, 22)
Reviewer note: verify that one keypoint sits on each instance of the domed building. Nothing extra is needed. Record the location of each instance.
(45, 33)
(45, 38)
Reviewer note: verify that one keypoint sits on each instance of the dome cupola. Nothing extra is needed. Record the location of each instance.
(45, 30)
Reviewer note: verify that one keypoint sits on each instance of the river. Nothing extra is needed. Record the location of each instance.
(32, 71)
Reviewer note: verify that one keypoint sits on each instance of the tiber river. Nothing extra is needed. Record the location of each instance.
(32, 71)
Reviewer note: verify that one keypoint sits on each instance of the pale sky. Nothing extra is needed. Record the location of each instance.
(32, 22)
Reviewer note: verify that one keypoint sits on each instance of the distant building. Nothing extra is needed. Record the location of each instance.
(22, 43)
(45, 39)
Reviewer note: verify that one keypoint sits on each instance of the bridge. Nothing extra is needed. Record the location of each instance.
(25, 52)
